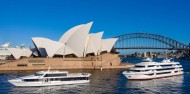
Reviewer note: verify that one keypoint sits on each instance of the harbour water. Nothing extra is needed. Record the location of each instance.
(106, 82)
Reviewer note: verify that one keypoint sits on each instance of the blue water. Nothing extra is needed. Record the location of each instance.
(106, 82)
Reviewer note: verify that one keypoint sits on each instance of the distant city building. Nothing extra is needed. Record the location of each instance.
(144, 54)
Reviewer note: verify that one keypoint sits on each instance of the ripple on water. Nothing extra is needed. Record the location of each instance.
(106, 82)
(163, 85)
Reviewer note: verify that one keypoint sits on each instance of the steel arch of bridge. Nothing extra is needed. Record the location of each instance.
(171, 44)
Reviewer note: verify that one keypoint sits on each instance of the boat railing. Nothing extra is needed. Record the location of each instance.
(78, 74)
(167, 60)
(85, 73)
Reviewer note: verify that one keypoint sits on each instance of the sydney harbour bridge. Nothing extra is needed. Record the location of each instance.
(149, 41)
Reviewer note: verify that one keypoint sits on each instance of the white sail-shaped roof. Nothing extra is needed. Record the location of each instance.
(60, 51)
(26, 52)
(75, 41)
(64, 50)
(69, 33)
(94, 43)
(107, 44)
(78, 39)
(18, 52)
(68, 51)
(97, 39)
(47, 47)
(90, 45)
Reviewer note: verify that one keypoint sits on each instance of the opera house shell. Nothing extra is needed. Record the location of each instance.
(76, 41)
(17, 53)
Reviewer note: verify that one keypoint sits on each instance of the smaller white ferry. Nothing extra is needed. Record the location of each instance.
(148, 69)
(50, 78)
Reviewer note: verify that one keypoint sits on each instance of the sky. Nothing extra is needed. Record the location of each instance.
(20, 20)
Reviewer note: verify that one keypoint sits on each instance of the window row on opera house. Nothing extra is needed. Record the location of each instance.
(75, 42)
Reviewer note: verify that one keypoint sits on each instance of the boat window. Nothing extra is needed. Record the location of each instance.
(55, 75)
(137, 66)
(144, 70)
(176, 71)
(30, 80)
(165, 69)
(166, 65)
(69, 79)
(163, 73)
(136, 71)
(77, 78)
(147, 70)
(37, 74)
(150, 74)
(151, 65)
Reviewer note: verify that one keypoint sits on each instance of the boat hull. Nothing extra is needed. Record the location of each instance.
(20, 83)
(146, 77)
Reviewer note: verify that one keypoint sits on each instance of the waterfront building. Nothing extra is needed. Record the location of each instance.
(76, 49)
(4, 53)
(75, 42)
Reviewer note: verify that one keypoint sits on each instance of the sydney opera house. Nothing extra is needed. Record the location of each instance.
(76, 49)
(75, 42)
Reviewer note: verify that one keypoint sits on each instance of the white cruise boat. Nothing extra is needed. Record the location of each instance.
(149, 70)
(49, 78)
